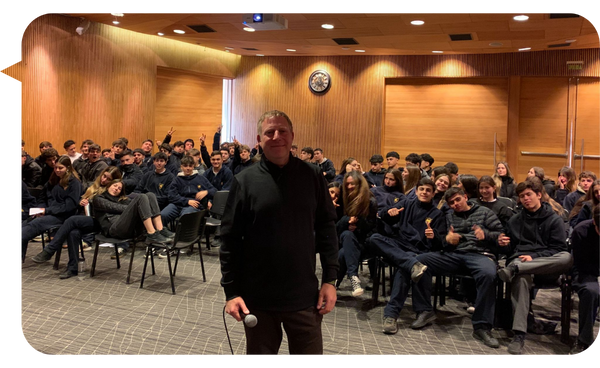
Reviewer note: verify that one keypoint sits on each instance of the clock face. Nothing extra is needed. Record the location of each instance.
(319, 81)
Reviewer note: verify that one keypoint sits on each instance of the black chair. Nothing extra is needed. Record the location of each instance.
(101, 238)
(379, 278)
(186, 234)
(216, 213)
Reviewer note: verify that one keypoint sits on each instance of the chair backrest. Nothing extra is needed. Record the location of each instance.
(35, 192)
(188, 228)
(219, 201)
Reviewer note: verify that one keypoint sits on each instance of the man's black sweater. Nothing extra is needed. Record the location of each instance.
(586, 249)
(276, 220)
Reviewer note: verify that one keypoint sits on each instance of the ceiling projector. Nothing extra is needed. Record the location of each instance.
(265, 22)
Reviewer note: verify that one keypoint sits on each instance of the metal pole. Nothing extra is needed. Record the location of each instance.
(582, 141)
(567, 135)
(495, 143)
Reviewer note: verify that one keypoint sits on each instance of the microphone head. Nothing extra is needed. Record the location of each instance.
(250, 320)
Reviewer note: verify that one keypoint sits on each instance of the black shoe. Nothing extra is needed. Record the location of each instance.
(423, 319)
(516, 345)
(578, 348)
(486, 337)
(417, 271)
(216, 242)
(67, 274)
(155, 238)
(507, 273)
(41, 257)
(167, 233)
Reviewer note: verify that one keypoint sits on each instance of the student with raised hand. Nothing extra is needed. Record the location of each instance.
(77, 226)
(419, 227)
(355, 227)
(325, 164)
(58, 201)
(376, 175)
(411, 176)
(567, 183)
(536, 240)
(582, 210)
(470, 244)
(586, 178)
(391, 192)
(505, 181)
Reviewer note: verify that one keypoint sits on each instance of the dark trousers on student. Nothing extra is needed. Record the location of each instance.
(35, 227)
(588, 290)
(130, 222)
(71, 231)
(303, 330)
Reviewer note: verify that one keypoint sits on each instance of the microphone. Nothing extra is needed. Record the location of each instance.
(250, 320)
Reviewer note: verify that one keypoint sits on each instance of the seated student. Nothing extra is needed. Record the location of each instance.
(117, 149)
(122, 217)
(58, 201)
(393, 158)
(349, 164)
(147, 146)
(294, 150)
(188, 144)
(470, 185)
(71, 150)
(502, 207)
(125, 142)
(411, 176)
(131, 172)
(452, 170)
(44, 145)
(355, 227)
(567, 183)
(335, 191)
(27, 201)
(219, 176)
(80, 162)
(30, 171)
(583, 207)
(586, 178)
(190, 192)
(241, 157)
(415, 159)
(138, 159)
(470, 244)
(172, 163)
(93, 167)
(76, 226)
(158, 182)
(420, 227)
(537, 245)
(586, 268)
(549, 184)
(427, 164)
(195, 154)
(504, 180)
(307, 154)
(227, 160)
(178, 151)
(377, 173)
(442, 183)
(325, 164)
(49, 157)
(391, 192)
(106, 155)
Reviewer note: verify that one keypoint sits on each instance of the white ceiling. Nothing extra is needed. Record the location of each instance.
(377, 32)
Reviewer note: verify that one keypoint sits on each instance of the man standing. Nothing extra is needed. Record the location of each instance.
(537, 239)
(278, 216)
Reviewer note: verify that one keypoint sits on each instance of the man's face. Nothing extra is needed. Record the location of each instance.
(84, 149)
(425, 165)
(376, 166)
(126, 160)
(531, 200)
(392, 162)
(147, 146)
(44, 148)
(159, 165)
(231, 150)
(179, 149)
(294, 151)
(304, 156)
(71, 150)
(138, 158)
(23, 158)
(165, 151)
(458, 203)
(117, 150)
(50, 161)
(276, 139)
(187, 169)
(188, 145)
(106, 154)
(93, 155)
(224, 154)
(216, 161)
(586, 183)
(318, 156)
(245, 155)
(425, 193)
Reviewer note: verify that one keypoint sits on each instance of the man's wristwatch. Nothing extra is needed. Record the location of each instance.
(332, 282)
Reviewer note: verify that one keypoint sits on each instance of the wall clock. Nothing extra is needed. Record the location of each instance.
(319, 81)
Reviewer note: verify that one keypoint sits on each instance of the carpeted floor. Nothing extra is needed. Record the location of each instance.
(104, 315)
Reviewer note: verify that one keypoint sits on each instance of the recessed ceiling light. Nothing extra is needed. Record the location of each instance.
(161, 34)
(117, 14)
(291, 50)
(520, 17)
(115, 22)
(260, 55)
(525, 49)
(178, 31)
(417, 22)
(327, 26)
(249, 29)
(359, 50)
(438, 52)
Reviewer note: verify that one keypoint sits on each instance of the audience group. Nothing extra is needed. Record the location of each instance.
(423, 220)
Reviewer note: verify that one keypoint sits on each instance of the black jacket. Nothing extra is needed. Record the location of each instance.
(275, 221)
(328, 168)
(31, 172)
(386, 196)
(463, 224)
(508, 187)
(61, 202)
(376, 178)
(586, 255)
(108, 209)
(537, 234)
(131, 177)
(365, 227)
(221, 181)
(91, 171)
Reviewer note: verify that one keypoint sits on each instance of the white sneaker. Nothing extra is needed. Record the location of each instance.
(357, 289)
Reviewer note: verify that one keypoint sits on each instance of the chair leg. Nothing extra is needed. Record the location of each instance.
(376, 281)
(145, 265)
(176, 262)
(201, 260)
(81, 249)
(170, 272)
(565, 310)
(93, 271)
(207, 235)
(117, 255)
(57, 258)
(442, 291)
(436, 292)
(130, 262)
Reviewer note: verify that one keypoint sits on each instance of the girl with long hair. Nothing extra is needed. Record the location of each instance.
(583, 207)
(505, 181)
(349, 164)
(411, 175)
(442, 183)
(567, 183)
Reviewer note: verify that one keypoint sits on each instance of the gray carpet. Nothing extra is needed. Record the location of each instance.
(104, 315)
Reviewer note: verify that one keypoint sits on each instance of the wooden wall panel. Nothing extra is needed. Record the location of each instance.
(101, 85)
(452, 119)
(188, 102)
(588, 124)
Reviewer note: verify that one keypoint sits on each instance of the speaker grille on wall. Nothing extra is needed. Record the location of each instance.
(345, 41)
(461, 37)
(559, 45)
(560, 16)
(202, 28)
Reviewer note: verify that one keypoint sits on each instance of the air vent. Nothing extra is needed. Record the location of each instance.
(345, 41)
(461, 37)
(561, 16)
(202, 28)
(249, 48)
(559, 45)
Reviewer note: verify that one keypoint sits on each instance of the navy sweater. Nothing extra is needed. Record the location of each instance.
(586, 245)
(222, 180)
(158, 184)
(184, 188)
(61, 202)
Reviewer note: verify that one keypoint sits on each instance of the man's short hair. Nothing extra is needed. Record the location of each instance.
(426, 181)
(427, 157)
(318, 149)
(244, 147)
(308, 150)
(587, 174)
(533, 183)
(105, 150)
(126, 152)
(189, 140)
(167, 147)
(89, 142)
(69, 143)
(224, 146)
(149, 140)
(160, 156)
(188, 161)
(295, 146)
(45, 144)
(216, 153)
(452, 191)
(273, 114)
(392, 154)
(193, 152)
(452, 168)
(119, 143)
(376, 159)
(139, 150)
(94, 147)
(49, 153)
(414, 158)
(178, 144)
(124, 140)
